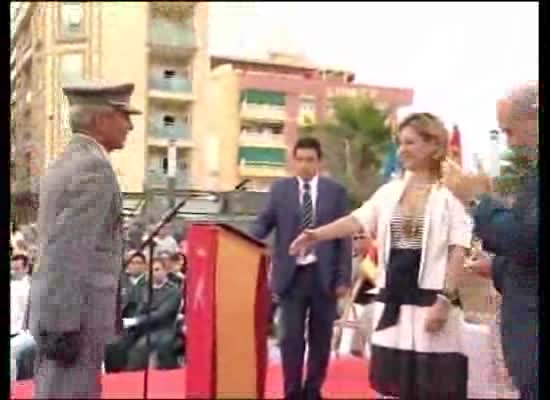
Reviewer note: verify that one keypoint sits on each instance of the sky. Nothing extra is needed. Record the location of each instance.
(459, 57)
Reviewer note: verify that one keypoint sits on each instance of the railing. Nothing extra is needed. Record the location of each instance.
(264, 110)
(169, 34)
(171, 84)
(158, 179)
(178, 131)
(263, 137)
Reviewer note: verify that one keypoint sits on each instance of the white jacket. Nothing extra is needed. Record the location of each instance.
(446, 223)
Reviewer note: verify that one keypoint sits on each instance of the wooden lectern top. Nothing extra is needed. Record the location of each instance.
(236, 231)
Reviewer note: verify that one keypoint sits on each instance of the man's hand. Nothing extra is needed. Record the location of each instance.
(466, 187)
(341, 291)
(63, 347)
(304, 241)
(438, 314)
(480, 264)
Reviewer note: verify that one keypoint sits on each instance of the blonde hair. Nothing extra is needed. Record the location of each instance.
(430, 128)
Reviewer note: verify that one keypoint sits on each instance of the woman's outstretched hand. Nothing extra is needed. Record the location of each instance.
(304, 241)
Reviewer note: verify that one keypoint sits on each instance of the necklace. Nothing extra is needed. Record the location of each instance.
(411, 224)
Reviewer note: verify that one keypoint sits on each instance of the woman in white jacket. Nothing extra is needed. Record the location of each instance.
(423, 232)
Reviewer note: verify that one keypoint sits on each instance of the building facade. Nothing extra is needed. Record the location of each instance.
(259, 105)
(161, 47)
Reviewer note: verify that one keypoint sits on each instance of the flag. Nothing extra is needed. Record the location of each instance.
(369, 264)
(391, 163)
(455, 147)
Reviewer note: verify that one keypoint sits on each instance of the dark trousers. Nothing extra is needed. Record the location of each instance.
(305, 301)
(529, 392)
(163, 343)
(116, 353)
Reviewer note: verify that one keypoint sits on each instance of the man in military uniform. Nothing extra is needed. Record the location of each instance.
(74, 290)
(512, 235)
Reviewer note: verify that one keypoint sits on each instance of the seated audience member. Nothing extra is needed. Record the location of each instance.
(131, 282)
(173, 265)
(161, 323)
(22, 343)
(165, 242)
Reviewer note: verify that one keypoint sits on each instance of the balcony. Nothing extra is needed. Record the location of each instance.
(264, 138)
(176, 88)
(178, 131)
(157, 179)
(263, 112)
(262, 162)
(168, 38)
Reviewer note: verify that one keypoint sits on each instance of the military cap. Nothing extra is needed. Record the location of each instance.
(99, 93)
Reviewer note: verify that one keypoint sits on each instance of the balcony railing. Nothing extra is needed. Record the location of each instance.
(179, 131)
(167, 34)
(262, 137)
(179, 85)
(263, 111)
(157, 179)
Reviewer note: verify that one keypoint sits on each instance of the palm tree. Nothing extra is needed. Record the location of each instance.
(356, 138)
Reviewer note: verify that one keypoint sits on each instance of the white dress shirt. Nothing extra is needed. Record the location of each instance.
(310, 257)
(19, 299)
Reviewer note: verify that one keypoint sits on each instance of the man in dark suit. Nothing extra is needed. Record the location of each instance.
(132, 282)
(161, 323)
(512, 235)
(309, 285)
(74, 289)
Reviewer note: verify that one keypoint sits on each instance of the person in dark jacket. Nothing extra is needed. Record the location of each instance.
(160, 324)
(131, 282)
(512, 235)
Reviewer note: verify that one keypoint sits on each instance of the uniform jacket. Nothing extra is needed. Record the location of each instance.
(80, 236)
(283, 213)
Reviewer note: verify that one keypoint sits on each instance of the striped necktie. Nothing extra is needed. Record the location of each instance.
(307, 207)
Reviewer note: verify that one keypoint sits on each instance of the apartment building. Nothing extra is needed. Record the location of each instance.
(159, 46)
(259, 106)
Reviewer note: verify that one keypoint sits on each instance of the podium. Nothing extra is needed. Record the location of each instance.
(227, 314)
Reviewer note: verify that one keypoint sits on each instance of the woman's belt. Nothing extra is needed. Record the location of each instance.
(393, 300)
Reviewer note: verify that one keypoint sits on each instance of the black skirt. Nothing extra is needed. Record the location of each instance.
(410, 374)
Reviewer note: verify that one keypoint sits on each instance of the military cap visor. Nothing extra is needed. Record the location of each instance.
(92, 93)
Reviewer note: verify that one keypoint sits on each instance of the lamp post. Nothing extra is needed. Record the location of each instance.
(172, 156)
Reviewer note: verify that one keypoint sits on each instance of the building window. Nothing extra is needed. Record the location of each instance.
(71, 68)
(165, 165)
(168, 120)
(307, 105)
(72, 21)
(169, 74)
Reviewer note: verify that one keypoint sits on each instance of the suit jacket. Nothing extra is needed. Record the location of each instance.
(129, 295)
(283, 213)
(80, 250)
(165, 307)
(512, 234)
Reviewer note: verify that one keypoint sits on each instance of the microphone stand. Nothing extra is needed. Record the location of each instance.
(150, 242)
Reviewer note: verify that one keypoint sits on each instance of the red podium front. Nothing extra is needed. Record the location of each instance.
(226, 314)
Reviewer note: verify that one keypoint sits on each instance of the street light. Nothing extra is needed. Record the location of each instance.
(172, 158)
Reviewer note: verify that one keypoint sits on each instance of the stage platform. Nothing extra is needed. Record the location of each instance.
(347, 379)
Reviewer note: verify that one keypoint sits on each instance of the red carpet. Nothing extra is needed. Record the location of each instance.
(347, 379)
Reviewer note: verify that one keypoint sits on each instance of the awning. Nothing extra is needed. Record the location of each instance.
(262, 156)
